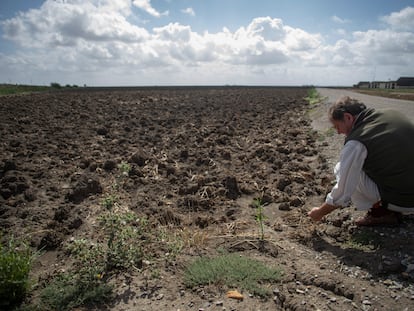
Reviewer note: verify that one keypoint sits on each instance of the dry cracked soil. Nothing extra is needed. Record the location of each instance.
(197, 157)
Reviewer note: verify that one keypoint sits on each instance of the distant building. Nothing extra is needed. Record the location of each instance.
(362, 85)
(383, 85)
(401, 83)
(391, 85)
(405, 82)
(378, 84)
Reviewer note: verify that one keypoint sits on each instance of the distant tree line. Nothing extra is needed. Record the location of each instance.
(56, 85)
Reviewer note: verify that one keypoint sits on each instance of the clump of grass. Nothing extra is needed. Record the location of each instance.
(123, 239)
(68, 291)
(123, 230)
(7, 89)
(94, 263)
(16, 260)
(363, 240)
(313, 96)
(119, 249)
(231, 270)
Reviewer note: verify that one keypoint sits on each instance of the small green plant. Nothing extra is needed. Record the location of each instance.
(123, 240)
(260, 217)
(68, 291)
(109, 202)
(122, 229)
(16, 260)
(84, 283)
(313, 96)
(94, 263)
(174, 242)
(363, 240)
(120, 179)
(88, 257)
(231, 270)
(125, 168)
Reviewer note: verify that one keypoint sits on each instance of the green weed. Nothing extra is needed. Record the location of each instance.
(313, 96)
(68, 291)
(16, 260)
(94, 263)
(363, 240)
(121, 178)
(260, 217)
(125, 168)
(233, 271)
(123, 235)
(120, 249)
(109, 202)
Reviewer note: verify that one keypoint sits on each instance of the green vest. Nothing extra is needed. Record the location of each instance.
(389, 139)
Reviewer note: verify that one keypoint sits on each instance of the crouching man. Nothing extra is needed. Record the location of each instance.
(376, 167)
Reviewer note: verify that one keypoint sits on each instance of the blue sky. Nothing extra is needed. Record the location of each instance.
(205, 42)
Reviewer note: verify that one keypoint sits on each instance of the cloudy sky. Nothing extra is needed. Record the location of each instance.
(205, 42)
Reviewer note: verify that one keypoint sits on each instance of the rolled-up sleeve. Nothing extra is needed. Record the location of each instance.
(347, 172)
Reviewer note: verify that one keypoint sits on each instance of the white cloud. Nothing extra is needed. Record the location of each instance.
(173, 32)
(66, 23)
(122, 6)
(402, 20)
(300, 40)
(385, 46)
(96, 40)
(270, 29)
(188, 11)
(146, 6)
(339, 20)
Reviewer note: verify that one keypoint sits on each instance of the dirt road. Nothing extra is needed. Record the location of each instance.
(405, 106)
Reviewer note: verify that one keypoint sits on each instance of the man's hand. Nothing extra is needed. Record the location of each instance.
(317, 213)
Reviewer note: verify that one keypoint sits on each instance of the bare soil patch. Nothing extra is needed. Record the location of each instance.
(199, 156)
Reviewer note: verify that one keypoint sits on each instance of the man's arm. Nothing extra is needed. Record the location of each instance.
(347, 173)
(317, 213)
(352, 158)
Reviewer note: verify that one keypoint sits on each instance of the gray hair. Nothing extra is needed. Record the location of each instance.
(344, 105)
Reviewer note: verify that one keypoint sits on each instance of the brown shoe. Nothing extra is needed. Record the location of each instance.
(379, 215)
(369, 220)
